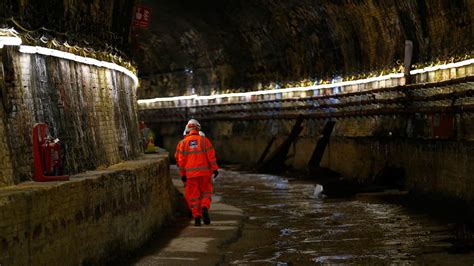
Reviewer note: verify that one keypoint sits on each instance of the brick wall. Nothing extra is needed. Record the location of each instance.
(91, 110)
(93, 218)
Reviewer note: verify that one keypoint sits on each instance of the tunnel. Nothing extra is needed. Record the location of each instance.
(267, 132)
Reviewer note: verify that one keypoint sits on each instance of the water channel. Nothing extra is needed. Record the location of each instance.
(287, 224)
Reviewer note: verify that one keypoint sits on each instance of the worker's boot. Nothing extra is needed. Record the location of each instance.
(205, 215)
(197, 221)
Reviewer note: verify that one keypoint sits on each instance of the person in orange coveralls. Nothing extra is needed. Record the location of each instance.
(197, 163)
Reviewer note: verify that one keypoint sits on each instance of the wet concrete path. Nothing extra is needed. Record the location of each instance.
(182, 243)
(262, 219)
(288, 225)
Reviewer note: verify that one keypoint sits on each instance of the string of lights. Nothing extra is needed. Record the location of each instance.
(198, 98)
(11, 37)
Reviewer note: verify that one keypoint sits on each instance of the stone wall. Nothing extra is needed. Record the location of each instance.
(221, 45)
(92, 110)
(360, 148)
(5, 161)
(99, 22)
(93, 218)
(441, 168)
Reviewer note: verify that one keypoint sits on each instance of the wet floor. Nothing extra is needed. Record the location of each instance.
(289, 225)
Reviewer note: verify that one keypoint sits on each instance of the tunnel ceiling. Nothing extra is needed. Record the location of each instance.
(235, 45)
(238, 44)
(96, 24)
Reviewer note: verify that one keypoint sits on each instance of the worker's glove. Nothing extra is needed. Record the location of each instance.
(216, 173)
(183, 178)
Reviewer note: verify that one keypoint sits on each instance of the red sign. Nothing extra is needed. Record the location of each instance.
(141, 17)
(443, 126)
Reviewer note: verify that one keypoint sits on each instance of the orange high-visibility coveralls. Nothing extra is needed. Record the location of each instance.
(179, 147)
(197, 161)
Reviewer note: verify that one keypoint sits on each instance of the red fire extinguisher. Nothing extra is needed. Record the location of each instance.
(47, 155)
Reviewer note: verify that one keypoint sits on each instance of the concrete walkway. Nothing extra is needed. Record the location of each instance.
(182, 243)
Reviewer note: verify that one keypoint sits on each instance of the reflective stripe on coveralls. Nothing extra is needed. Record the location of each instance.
(194, 202)
(206, 195)
(198, 193)
(197, 161)
(196, 156)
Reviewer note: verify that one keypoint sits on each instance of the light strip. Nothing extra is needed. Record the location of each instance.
(170, 99)
(444, 66)
(9, 40)
(26, 49)
(265, 92)
(309, 88)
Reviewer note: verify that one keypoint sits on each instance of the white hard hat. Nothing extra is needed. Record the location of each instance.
(192, 124)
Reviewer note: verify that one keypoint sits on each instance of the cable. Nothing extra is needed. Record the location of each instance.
(19, 26)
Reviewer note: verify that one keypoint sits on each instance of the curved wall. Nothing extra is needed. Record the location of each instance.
(417, 136)
(91, 109)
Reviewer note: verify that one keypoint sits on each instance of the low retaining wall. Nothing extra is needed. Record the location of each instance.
(442, 168)
(361, 149)
(418, 136)
(88, 220)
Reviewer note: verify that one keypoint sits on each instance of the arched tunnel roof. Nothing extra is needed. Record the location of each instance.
(220, 45)
(214, 46)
